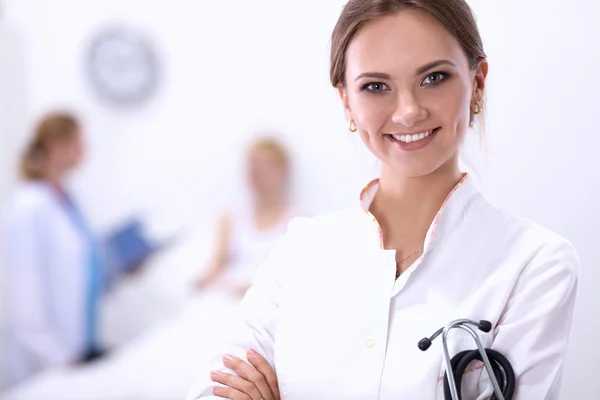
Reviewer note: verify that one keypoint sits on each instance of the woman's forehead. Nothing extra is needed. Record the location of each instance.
(401, 42)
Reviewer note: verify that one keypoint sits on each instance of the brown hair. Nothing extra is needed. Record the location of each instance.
(52, 128)
(455, 15)
(275, 148)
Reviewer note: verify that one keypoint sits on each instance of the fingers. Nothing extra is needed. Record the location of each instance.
(248, 381)
(250, 374)
(229, 392)
(263, 366)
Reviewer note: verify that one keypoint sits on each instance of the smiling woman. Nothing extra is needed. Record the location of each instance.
(337, 310)
(401, 102)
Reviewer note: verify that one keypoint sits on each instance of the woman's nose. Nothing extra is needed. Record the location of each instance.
(408, 110)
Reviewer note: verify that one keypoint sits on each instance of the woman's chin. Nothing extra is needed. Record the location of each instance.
(403, 169)
(418, 165)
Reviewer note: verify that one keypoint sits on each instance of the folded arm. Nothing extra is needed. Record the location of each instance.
(254, 327)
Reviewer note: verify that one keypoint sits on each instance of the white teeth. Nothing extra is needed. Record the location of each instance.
(412, 138)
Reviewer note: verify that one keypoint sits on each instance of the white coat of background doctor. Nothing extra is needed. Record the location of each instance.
(52, 271)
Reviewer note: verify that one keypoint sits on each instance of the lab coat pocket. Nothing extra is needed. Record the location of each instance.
(460, 341)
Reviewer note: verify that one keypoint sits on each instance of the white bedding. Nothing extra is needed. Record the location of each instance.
(161, 331)
(139, 302)
(160, 364)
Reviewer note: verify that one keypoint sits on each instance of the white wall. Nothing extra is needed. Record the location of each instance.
(225, 74)
(544, 142)
(230, 67)
(13, 102)
(12, 106)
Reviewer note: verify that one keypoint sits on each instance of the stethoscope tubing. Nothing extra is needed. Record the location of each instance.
(486, 361)
(455, 367)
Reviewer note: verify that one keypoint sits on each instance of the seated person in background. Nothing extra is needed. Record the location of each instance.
(244, 239)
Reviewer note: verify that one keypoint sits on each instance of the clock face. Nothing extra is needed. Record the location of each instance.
(122, 67)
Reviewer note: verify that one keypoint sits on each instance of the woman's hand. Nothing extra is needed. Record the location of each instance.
(254, 381)
(240, 290)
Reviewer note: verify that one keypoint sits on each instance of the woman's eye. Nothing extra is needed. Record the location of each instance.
(435, 78)
(375, 87)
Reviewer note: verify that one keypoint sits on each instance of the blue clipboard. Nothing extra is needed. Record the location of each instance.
(128, 246)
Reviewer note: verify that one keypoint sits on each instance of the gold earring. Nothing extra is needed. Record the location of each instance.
(352, 126)
(476, 109)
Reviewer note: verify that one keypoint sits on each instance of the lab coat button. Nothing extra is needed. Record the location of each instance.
(370, 343)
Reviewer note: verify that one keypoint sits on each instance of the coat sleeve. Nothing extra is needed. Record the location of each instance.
(256, 317)
(534, 328)
(27, 309)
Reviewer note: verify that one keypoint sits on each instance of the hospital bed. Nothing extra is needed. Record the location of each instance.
(169, 334)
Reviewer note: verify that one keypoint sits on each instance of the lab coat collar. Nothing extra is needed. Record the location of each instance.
(447, 219)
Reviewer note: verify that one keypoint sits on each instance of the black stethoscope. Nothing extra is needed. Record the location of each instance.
(497, 365)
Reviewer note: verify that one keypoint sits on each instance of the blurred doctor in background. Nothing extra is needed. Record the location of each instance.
(245, 237)
(53, 262)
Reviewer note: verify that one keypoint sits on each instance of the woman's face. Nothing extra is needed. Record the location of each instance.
(68, 154)
(266, 174)
(409, 89)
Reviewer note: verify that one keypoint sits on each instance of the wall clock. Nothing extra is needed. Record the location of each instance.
(122, 66)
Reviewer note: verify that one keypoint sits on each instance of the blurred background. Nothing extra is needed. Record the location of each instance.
(172, 99)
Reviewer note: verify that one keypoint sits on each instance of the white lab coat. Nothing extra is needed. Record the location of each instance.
(45, 283)
(328, 313)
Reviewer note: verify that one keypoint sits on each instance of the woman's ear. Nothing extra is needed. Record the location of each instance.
(345, 103)
(479, 80)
